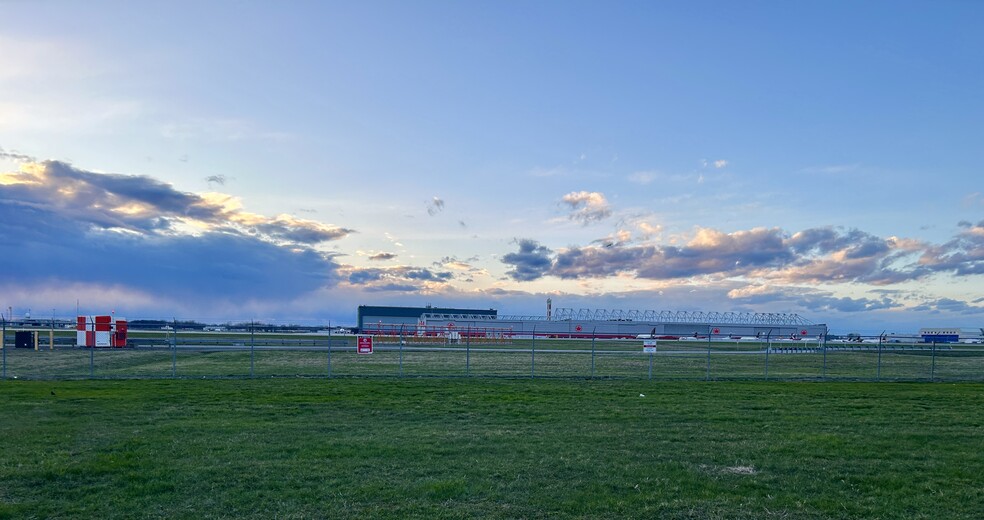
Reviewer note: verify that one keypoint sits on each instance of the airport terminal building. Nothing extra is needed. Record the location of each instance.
(587, 323)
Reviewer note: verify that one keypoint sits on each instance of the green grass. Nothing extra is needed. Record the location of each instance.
(489, 448)
(618, 360)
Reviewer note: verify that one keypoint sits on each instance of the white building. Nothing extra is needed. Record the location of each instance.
(951, 335)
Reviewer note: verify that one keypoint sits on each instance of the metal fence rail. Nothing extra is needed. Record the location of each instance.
(186, 354)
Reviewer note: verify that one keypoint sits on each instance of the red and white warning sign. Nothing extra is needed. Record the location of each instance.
(364, 345)
(649, 346)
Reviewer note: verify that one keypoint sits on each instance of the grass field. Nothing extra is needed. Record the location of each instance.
(520, 358)
(489, 448)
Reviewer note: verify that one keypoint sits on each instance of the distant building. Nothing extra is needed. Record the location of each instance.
(586, 323)
(373, 317)
(951, 335)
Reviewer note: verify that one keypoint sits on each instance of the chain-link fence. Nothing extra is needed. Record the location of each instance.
(401, 352)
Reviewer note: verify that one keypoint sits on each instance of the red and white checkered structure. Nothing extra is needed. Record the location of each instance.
(100, 331)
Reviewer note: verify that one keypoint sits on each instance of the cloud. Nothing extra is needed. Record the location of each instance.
(75, 226)
(817, 255)
(397, 278)
(618, 238)
(708, 252)
(643, 177)
(973, 200)
(14, 156)
(451, 262)
(216, 179)
(382, 256)
(587, 207)
(435, 206)
(143, 205)
(809, 299)
(950, 306)
(393, 287)
(54, 248)
(531, 262)
(649, 230)
(720, 163)
(962, 256)
(289, 229)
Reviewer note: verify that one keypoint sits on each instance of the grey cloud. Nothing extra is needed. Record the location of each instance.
(94, 189)
(951, 306)
(435, 206)
(531, 262)
(717, 253)
(428, 275)
(957, 306)
(403, 275)
(454, 261)
(828, 239)
(962, 256)
(597, 262)
(210, 267)
(393, 287)
(587, 207)
(301, 232)
(821, 303)
(76, 226)
(820, 255)
(366, 275)
(216, 179)
(145, 205)
(14, 156)
(812, 300)
(382, 256)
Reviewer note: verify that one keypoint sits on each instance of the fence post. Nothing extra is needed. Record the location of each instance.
(401, 349)
(174, 348)
(92, 363)
(878, 373)
(252, 348)
(823, 340)
(707, 375)
(768, 347)
(593, 338)
(533, 354)
(3, 346)
(329, 351)
(932, 370)
(468, 352)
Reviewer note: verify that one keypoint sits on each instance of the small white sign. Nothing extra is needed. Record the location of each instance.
(649, 346)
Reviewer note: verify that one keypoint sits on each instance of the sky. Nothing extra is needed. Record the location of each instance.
(289, 161)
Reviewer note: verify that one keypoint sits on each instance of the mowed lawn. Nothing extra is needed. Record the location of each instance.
(466, 448)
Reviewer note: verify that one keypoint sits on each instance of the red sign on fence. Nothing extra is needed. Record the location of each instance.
(364, 345)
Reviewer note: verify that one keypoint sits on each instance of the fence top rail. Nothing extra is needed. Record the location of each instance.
(650, 316)
(737, 318)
